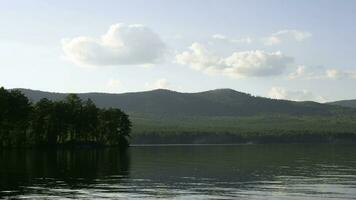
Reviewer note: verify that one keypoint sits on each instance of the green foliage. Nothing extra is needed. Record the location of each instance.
(70, 121)
(261, 128)
(14, 117)
(218, 115)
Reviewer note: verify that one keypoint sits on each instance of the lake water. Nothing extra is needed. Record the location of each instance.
(182, 172)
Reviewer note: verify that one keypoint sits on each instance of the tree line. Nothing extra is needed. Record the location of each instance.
(70, 121)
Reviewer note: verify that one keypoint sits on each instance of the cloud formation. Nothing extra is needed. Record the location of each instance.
(303, 72)
(223, 38)
(287, 35)
(240, 64)
(120, 45)
(339, 74)
(113, 85)
(300, 95)
(159, 84)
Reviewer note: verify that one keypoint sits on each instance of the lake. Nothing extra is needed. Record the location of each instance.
(182, 172)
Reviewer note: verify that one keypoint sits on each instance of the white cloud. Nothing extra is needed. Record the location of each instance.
(113, 85)
(299, 72)
(240, 64)
(257, 63)
(199, 58)
(120, 45)
(219, 37)
(339, 74)
(303, 72)
(335, 74)
(244, 40)
(159, 84)
(300, 95)
(287, 35)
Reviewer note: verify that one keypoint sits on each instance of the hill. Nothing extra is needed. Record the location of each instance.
(223, 116)
(345, 103)
(219, 102)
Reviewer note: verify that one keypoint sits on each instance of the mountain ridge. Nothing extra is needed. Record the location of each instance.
(351, 103)
(217, 102)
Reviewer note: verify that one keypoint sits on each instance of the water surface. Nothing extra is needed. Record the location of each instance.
(182, 172)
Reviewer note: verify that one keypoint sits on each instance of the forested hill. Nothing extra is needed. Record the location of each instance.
(345, 103)
(219, 102)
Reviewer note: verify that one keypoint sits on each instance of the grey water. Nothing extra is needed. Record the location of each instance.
(181, 172)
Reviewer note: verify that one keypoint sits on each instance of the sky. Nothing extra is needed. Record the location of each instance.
(298, 49)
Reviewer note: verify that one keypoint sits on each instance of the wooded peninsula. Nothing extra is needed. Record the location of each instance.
(71, 121)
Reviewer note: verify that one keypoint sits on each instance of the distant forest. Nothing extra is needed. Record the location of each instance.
(71, 121)
(169, 117)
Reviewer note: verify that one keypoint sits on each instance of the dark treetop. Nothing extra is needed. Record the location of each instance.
(69, 121)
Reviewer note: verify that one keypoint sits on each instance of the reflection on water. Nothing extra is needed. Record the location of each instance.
(182, 172)
(61, 172)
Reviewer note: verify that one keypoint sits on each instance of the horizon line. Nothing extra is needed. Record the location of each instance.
(170, 90)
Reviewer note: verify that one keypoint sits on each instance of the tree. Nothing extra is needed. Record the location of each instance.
(89, 117)
(74, 106)
(14, 117)
(114, 125)
(71, 121)
(4, 110)
(42, 120)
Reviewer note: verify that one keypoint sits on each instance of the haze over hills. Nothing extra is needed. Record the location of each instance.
(345, 103)
(219, 102)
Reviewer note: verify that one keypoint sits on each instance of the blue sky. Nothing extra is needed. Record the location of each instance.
(299, 50)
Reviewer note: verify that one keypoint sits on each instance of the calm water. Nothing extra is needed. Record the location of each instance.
(182, 172)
